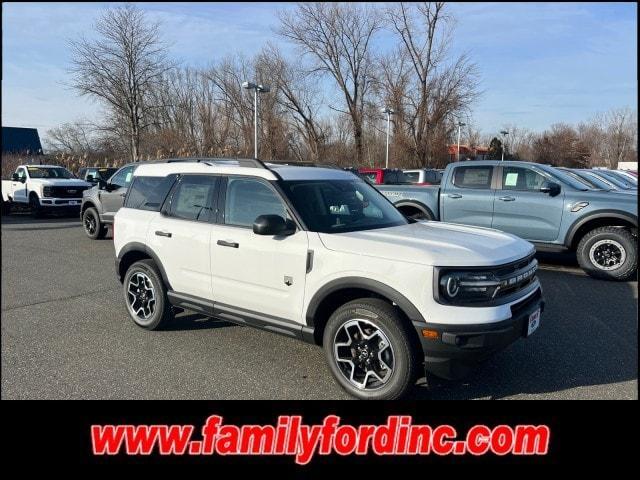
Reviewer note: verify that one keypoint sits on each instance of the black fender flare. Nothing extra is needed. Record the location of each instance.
(141, 247)
(417, 204)
(568, 240)
(367, 284)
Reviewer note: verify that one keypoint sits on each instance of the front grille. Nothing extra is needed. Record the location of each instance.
(66, 192)
(516, 276)
(522, 305)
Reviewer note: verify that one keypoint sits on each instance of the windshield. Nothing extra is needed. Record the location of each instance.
(564, 178)
(335, 206)
(49, 172)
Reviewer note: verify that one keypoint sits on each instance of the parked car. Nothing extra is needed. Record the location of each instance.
(617, 180)
(594, 182)
(424, 176)
(320, 255)
(536, 202)
(94, 174)
(384, 176)
(43, 188)
(101, 202)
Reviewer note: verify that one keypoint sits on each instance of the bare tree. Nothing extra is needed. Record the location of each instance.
(433, 87)
(338, 37)
(121, 66)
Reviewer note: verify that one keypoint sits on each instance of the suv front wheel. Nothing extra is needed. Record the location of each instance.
(146, 296)
(92, 225)
(370, 350)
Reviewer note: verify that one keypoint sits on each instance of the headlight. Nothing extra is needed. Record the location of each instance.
(468, 287)
(46, 191)
(483, 287)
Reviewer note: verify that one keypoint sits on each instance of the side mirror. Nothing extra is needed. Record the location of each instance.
(91, 179)
(551, 188)
(15, 177)
(102, 185)
(273, 225)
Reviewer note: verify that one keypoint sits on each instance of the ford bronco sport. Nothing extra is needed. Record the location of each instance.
(318, 254)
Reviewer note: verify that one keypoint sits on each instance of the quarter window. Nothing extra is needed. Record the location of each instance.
(519, 178)
(249, 198)
(477, 177)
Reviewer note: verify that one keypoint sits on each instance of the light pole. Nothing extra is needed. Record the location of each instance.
(504, 141)
(389, 112)
(256, 88)
(460, 124)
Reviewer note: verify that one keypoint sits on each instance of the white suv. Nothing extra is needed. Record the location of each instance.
(320, 255)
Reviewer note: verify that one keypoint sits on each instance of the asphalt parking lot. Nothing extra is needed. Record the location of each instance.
(66, 335)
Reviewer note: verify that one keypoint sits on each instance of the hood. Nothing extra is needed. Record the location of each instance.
(61, 182)
(433, 243)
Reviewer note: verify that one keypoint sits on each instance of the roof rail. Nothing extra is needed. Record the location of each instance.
(303, 164)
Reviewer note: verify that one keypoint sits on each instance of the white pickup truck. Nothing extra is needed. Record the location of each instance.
(43, 188)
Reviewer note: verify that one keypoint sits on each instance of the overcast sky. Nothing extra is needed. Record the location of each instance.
(539, 63)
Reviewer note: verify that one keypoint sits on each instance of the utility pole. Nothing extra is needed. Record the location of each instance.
(256, 88)
(504, 142)
(460, 124)
(389, 112)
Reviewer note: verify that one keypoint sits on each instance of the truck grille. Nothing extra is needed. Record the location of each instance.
(67, 192)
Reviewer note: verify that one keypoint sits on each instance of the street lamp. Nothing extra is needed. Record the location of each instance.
(460, 124)
(504, 141)
(256, 88)
(389, 112)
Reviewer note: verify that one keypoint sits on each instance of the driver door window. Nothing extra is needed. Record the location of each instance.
(123, 177)
(247, 199)
(22, 174)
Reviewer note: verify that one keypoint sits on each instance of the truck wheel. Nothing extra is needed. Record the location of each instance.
(92, 225)
(370, 350)
(609, 253)
(146, 296)
(34, 206)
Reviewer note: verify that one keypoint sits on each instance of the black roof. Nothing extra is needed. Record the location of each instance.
(21, 140)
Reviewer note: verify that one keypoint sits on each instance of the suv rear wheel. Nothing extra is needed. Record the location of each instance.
(92, 225)
(609, 253)
(146, 296)
(370, 350)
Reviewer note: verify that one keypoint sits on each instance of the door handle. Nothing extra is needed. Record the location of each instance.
(454, 195)
(163, 234)
(507, 199)
(223, 243)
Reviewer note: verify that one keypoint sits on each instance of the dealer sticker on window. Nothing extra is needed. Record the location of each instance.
(534, 322)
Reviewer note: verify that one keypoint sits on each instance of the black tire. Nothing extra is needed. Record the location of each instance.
(6, 208)
(377, 314)
(35, 207)
(416, 214)
(92, 226)
(609, 253)
(160, 313)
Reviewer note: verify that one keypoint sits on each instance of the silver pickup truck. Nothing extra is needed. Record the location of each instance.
(536, 202)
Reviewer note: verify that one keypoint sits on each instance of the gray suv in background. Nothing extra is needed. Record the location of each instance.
(100, 203)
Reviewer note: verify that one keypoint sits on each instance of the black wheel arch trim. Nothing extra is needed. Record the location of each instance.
(366, 284)
(416, 204)
(141, 247)
(596, 215)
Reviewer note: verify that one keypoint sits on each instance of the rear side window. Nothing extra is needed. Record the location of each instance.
(478, 177)
(193, 198)
(148, 193)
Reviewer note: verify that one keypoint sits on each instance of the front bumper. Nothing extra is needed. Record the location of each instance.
(52, 202)
(457, 349)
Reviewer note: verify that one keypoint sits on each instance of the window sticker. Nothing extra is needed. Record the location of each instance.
(511, 180)
(128, 177)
